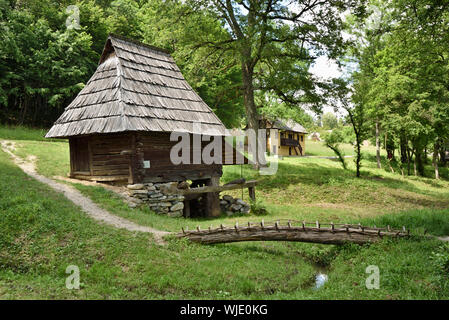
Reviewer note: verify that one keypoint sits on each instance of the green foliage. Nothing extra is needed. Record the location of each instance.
(273, 108)
(41, 68)
(329, 120)
(403, 73)
(440, 258)
(258, 208)
(332, 141)
(43, 65)
(347, 134)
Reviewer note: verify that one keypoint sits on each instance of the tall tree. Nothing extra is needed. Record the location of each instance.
(406, 65)
(347, 95)
(275, 42)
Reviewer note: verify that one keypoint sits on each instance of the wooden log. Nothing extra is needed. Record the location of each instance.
(213, 199)
(101, 178)
(236, 181)
(280, 233)
(211, 188)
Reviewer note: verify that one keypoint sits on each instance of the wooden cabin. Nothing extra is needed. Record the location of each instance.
(284, 137)
(119, 125)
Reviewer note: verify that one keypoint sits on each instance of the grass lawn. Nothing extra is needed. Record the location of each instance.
(41, 233)
(317, 148)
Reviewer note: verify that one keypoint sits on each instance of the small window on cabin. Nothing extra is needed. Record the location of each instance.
(302, 138)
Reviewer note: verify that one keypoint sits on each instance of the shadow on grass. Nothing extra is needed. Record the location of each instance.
(314, 174)
(429, 171)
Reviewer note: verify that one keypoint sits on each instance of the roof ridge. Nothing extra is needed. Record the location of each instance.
(139, 43)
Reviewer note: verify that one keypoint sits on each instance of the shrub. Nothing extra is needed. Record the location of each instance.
(258, 209)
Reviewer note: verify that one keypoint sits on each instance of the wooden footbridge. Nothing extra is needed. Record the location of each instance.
(292, 230)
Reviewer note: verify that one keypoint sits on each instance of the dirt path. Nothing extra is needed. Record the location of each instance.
(87, 205)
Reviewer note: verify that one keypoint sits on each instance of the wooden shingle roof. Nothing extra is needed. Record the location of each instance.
(289, 125)
(136, 87)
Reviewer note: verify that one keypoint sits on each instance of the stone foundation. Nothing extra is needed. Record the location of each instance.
(172, 204)
(158, 201)
(234, 206)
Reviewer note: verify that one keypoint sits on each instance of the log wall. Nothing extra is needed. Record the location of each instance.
(156, 148)
(113, 157)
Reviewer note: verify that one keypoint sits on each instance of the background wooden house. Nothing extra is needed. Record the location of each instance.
(120, 123)
(284, 137)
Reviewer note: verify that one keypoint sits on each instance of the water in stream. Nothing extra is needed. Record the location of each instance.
(320, 280)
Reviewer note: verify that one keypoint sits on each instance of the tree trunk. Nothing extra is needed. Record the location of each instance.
(436, 148)
(359, 157)
(404, 156)
(419, 161)
(409, 160)
(378, 146)
(426, 159)
(415, 171)
(251, 110)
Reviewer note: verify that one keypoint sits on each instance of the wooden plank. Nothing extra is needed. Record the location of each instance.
(102, 178)
(214, 188)
(84, 173)
(112, 167)
(107, 157)
(119, 161)
(138, 160)
(111, 172)
(131, 177)
(89, 149)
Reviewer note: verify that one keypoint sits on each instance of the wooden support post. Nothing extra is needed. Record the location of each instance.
(187, 208)
(252, 193)
(212, 199)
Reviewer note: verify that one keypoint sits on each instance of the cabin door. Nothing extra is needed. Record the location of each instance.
(79, 151)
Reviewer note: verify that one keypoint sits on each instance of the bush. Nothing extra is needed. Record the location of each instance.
(258, 209)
